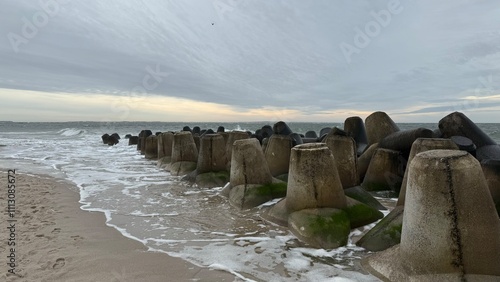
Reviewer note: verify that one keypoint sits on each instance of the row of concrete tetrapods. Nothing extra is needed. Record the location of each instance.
(445, 226)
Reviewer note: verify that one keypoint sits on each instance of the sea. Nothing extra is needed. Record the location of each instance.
(166, 214)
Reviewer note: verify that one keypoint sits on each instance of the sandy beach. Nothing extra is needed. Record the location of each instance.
(57, 241)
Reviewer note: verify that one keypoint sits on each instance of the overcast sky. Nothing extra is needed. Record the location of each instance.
(248, 60)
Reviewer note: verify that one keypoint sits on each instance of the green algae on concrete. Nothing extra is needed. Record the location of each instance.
(326, 228)
(360, 194)
(212, 179)
(252, 195)
(272, 190)
(360, 214)
(386, 233)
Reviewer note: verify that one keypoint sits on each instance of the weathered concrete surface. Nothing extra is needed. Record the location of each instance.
(277, 154)
(385, 171)
(355, 127)
(151, 149)
(379, 125)
(249, 165)
(421, 145)
(184, 154)
(313, 180)
(450, 225)
(365, 159)
(360, 194)
(344, 151)
(385, 234)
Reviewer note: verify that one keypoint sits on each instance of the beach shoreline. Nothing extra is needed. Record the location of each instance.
(55, 240)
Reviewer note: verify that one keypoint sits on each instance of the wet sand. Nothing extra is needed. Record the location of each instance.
(57, 241)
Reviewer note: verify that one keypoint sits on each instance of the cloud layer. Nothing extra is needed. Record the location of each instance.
(410, 58)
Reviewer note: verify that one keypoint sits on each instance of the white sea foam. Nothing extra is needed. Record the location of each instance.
(71, 132)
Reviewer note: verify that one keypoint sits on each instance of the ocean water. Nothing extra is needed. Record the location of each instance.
(147, 204)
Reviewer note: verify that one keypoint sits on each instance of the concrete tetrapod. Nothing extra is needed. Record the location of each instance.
(315, 197)
(403, 140)
(282, 128)
(184, 154)
(378, 126)
(421, 145)
(151, 149)
(141, 145)
(315, 207)
(344, 151)
(211, 167)
(355, 127)
(387, 232)
(133, 140)
(365, 159)
(451, 230)
(491, 170)
(385, 171)
(233, 136)
(251, 183)
(277, 153)
(313, 180)
(318, 211)
(459, 124)
(165, 142)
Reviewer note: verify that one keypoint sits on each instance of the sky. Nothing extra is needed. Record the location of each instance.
(248, 60)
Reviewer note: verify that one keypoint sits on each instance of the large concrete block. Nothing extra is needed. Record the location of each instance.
(277, 153)
(491, 170)
(232, 137)
(421, 145)
(344, 151)
(378, 126)
(450, 226)
(212, 155)
(459, 124)
(355, 127)
(385, 171)
(165, 142)
(248, 164)
(313, 181)
(184, 153)
(151, 148)
(365, 159)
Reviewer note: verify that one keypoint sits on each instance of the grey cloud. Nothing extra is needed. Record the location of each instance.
(259, 53)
